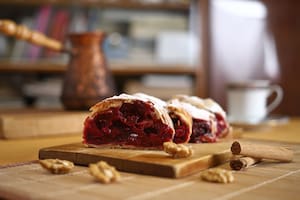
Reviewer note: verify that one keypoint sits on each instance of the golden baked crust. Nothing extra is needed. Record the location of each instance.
(116, 101)
(160, 106)
(209, 105)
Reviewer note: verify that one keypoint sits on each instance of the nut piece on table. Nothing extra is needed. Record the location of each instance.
(56, 166)
(218, 175)
(177, 150)
(104, 172)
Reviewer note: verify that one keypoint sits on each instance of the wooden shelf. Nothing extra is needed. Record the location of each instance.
(123, 4)
(127, 69)
(31, 67)
(120, 69)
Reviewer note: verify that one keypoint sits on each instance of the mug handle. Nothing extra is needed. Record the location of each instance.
(279, 96)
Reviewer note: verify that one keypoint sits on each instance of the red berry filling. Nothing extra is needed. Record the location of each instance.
(202, 132)
(181, 129)
(221, 126)
(131, 124)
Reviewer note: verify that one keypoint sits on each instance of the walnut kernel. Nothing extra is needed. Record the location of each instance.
(104, 172)
(218, 175)
(56, 166)
(177, 150)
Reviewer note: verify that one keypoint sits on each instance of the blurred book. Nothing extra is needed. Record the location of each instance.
(40, 24)
(93, 18)
(20, 47)
(79, 21)
(58, 28)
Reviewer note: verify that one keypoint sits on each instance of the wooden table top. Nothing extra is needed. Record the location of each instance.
(266, 180)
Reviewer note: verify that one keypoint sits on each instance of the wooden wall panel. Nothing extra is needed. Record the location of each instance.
(284, 23)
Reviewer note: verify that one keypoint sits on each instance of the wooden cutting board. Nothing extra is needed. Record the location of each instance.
(149, 162)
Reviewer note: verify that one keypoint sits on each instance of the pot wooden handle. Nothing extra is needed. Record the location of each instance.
(10, 28)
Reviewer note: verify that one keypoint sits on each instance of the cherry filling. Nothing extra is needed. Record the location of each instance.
(221, 126)
(130, 124)
(181, 129)
(202, 132)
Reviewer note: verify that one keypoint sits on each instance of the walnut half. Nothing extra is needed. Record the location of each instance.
(177, 150)
(218, 175)
(104, 172)
(56, 166)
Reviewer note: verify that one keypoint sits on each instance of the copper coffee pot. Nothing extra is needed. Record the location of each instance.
(87, 79)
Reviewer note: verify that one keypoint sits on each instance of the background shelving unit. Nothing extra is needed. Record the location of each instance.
(122, 71)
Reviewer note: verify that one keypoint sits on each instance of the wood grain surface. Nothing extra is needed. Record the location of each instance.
(151, 162)
(266, 180)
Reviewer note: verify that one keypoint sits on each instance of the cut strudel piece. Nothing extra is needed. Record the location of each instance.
(128, 121)
(210, 105)
(204, 125)
(182, 121)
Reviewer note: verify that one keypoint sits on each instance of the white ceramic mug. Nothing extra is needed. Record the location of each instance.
(247, 101)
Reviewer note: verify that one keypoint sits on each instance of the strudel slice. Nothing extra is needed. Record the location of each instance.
(210, 105)
(204, 125)
(182, 121)
(129, 121)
